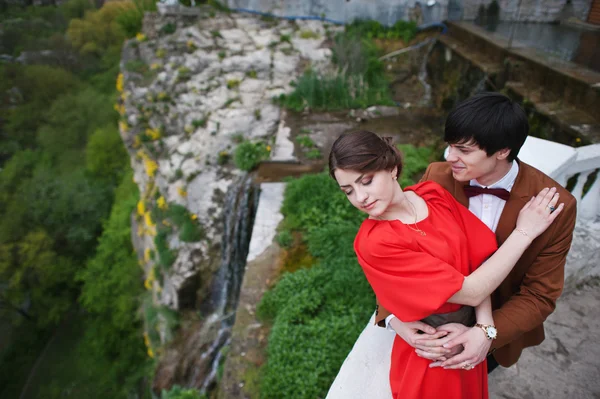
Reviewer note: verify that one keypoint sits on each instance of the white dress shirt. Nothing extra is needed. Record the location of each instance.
(488, 208)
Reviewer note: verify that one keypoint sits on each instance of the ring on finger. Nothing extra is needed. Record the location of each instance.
(467, 366)
(552, 209)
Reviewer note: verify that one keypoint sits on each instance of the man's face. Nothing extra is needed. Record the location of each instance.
(468, 162)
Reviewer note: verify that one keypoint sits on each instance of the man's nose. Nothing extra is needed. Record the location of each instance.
(451, 155)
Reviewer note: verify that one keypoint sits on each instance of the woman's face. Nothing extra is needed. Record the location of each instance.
(370, 192)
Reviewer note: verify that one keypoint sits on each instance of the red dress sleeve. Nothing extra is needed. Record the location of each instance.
(411, 285)
(481, 241)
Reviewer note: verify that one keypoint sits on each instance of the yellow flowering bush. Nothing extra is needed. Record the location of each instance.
(140, 37)
(120, 83)
(148, 220)
(150, 280)
(181, 191)
(153, 134)
(123, 126)
(162, 203)
(136, 142)
(147, 253)
(193, 216)
(151, 166)
(141, 208)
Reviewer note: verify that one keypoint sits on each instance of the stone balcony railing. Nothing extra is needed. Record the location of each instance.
(563, 163)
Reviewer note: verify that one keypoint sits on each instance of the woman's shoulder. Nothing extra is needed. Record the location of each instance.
(373, 235)
(430, 190)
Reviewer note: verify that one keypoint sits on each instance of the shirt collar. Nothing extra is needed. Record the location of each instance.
(507, 182)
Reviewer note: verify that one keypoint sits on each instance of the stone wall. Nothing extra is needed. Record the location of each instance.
(389, 11)
(531, 10)
(384, 11)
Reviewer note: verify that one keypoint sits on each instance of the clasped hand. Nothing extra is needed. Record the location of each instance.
(451, 345)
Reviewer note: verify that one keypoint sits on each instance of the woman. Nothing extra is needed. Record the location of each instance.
(421, 252)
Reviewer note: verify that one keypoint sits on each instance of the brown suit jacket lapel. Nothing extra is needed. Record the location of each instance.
(519, 195)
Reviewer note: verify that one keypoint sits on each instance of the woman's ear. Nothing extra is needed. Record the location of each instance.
(394, 173)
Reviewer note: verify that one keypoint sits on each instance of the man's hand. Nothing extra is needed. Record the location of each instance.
(433, 349)
(476, 346)
(409, 332)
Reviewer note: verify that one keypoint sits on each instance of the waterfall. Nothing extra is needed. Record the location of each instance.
(240, 206)
(480, 86)
(426, 100)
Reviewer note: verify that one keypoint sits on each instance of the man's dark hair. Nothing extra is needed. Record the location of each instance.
(490, 120)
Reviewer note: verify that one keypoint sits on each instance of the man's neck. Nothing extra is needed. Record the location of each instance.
(497, 175)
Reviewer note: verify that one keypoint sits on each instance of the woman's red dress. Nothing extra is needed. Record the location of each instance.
(414, 275)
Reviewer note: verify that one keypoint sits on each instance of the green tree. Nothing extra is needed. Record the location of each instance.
(105, 154)
(70, 121)
(39, 283)
(99, 30)
(33, 88)
(110, 293)
(71, 206)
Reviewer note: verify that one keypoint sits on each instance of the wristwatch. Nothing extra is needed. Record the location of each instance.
(489, 330)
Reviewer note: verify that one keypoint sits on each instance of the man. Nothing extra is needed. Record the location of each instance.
(485, 134)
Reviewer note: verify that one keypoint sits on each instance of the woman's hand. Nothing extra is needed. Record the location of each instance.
(433, 349)
(539, 213)
(409, 332)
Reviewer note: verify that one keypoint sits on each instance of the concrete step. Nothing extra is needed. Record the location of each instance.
(576, 121)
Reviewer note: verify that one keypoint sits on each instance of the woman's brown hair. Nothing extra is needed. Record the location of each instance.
(364, 151)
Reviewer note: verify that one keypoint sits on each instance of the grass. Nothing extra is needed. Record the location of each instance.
(336, 92)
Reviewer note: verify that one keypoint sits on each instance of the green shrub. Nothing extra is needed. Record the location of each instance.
(305, 141)
(285, 239)
(177, 392)
(166, 256)
(415, 160)
(314, 154)
(168, 28)
(374, 30)
(190, 231)
(248, 154)
(309, 34)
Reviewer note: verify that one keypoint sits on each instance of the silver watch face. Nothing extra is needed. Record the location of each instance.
(492, 332)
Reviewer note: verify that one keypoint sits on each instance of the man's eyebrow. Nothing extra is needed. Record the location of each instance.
(465, 146)
(355, 181)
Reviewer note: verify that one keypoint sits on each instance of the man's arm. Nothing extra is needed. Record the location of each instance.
(541, 285)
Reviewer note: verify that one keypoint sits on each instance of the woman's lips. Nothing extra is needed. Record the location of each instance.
(370, 206)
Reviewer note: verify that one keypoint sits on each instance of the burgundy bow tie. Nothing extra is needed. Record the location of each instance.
(471, 191)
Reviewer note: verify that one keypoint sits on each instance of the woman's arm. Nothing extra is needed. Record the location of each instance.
(534, 219)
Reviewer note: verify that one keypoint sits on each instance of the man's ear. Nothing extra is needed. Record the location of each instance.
(502, 154)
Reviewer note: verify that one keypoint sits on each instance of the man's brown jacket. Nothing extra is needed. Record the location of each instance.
(528, 295)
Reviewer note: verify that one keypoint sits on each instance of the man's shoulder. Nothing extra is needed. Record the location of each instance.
(533, 181)
(441, 173)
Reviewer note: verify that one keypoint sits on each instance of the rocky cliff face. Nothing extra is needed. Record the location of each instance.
(192, 87)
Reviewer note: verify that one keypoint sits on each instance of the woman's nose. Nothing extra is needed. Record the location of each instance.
(361, 195)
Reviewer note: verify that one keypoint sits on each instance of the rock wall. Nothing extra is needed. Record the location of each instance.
(191, 89)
